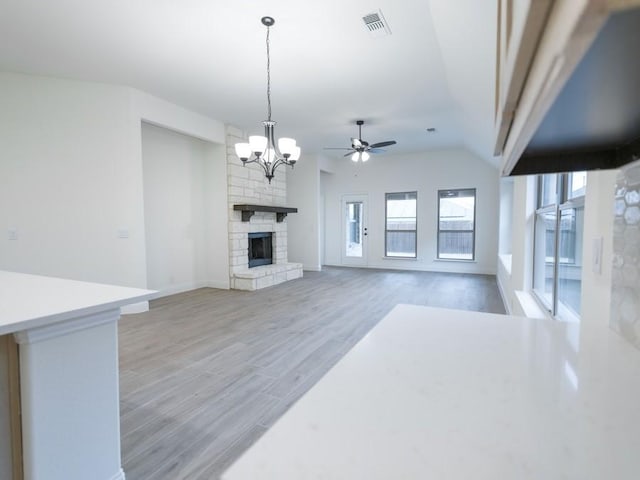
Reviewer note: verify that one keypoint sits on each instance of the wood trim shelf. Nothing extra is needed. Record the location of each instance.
(248, 211)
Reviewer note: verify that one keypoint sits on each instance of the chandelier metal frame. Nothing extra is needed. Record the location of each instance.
(264, 150)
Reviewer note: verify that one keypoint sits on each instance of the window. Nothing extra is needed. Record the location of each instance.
(456, 224)
(354, 229)
(401, 224)
(557, 256)
(577, 184)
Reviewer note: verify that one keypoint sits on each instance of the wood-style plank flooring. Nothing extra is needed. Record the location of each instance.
(203, 374)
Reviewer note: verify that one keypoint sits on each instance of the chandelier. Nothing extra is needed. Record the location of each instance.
(263, 150)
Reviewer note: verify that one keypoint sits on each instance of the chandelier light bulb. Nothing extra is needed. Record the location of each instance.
(286, 145)
(364, 156)
(243, 151)
(355, 157)
(258, 144)
(295, 156)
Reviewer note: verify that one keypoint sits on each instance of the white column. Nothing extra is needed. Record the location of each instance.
(70, 399)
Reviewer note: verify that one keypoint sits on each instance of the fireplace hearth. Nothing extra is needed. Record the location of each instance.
(260, 249)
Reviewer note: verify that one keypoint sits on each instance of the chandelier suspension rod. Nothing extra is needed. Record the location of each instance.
(268, 76)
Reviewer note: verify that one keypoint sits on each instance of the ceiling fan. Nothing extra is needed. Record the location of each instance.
(360, 149)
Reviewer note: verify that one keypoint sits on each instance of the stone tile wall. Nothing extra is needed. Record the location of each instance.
(625, 293)
(248, 184)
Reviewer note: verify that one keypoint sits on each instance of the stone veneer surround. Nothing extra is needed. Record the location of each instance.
(248, 185)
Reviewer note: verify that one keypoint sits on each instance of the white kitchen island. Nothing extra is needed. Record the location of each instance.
(68, 365)
(442, 394)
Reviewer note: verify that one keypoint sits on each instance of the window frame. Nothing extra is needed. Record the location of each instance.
(386, 225)
(563, 202)
(473, 231)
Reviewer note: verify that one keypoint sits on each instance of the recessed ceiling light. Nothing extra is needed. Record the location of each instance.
(431, 130)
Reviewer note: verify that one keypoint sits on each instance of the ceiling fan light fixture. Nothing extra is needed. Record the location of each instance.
(361, 150)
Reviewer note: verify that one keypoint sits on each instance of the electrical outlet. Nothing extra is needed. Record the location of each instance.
(12, 233)
(123, 233)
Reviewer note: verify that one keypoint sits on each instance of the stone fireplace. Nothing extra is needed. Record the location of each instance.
(248, 185)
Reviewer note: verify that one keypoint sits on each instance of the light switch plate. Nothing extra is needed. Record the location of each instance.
(596, 261)
(123, 233)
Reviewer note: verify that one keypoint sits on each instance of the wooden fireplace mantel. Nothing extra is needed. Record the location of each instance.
(249, 210)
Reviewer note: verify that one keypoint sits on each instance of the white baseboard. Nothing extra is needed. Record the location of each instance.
(453, 268)
(505, 302)
(181, 288)
(173, 290)
(220, 285)
(315, 268)
(118, 476)
(139, 307)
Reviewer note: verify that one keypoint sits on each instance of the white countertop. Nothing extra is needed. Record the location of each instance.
(445, 394)
(30, 301)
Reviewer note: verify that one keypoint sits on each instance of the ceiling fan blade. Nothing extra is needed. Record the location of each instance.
(383, 144)
(376, 150)
(350, 153)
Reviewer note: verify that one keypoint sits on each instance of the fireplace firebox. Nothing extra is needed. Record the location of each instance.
(260, 249)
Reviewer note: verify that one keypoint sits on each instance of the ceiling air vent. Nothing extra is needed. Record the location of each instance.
(376, 24)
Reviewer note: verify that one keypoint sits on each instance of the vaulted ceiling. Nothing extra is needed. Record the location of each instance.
(435, 69)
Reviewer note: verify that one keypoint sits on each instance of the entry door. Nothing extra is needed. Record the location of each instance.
(354, 230)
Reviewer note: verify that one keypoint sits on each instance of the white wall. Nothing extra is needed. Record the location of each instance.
(216, 213)
(303, 193)
(71, 179)
(176, 197)
(67, 182)
(515, 270)
(506, 215)
(425, 173)
(165, 114)
(212, 148)
(598, 223)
